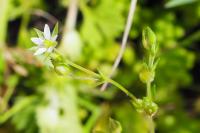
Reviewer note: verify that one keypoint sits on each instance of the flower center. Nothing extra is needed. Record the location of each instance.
(49, 43)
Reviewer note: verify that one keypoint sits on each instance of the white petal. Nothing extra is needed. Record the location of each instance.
(54, 38)
(50, 49)
(37, 41)
(40, 51)
(47, 32)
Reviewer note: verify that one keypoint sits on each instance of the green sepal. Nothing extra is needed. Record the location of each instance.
(156, 63)
(39, 33)
(55, 30)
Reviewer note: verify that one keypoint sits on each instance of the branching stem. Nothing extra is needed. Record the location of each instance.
(103, 77)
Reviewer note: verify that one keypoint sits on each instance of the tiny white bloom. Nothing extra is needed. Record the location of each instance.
(46, 42)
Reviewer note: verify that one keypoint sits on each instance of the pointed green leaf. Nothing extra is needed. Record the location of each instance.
(55, 30)
(39, 33)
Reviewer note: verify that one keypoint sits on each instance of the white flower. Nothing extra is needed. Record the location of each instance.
(45, 41)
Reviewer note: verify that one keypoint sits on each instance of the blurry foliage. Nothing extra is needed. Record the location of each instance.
(2, 67)
(44, 102)
(175, 3)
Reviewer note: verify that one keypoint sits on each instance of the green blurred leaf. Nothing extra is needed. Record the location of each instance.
(108, 125)
(102, 24)
(2, 67)
(175, 3)
(115, 126)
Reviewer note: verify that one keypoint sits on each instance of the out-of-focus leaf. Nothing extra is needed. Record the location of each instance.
(25, 120)
(100, 23)
(2, 66)
(115, 126)
(175, 3)
(105, 124)
(108, 125)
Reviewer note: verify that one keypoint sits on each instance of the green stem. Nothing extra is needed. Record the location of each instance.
(151, 124)
(83, 69)
(4, 8)
(100, 76)
(149, 95)
(107, 79)
(121, 88)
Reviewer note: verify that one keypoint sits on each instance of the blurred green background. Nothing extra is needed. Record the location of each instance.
(34, 99)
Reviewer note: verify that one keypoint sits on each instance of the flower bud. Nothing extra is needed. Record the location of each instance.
(146, 106)
(146, 75)
(150, 108)
(149, 39)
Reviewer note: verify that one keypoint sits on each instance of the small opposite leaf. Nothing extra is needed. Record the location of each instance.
(55, 30)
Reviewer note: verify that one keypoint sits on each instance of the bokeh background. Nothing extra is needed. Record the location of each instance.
(34, 99)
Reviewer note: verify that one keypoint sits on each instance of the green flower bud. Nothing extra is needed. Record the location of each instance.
(138, 105)
(145, 106)
(150, 108)
(146, 75)
(149, 39)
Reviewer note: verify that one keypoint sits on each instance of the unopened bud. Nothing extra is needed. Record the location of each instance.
(149, 39)
(145, 106)
(146, 75)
